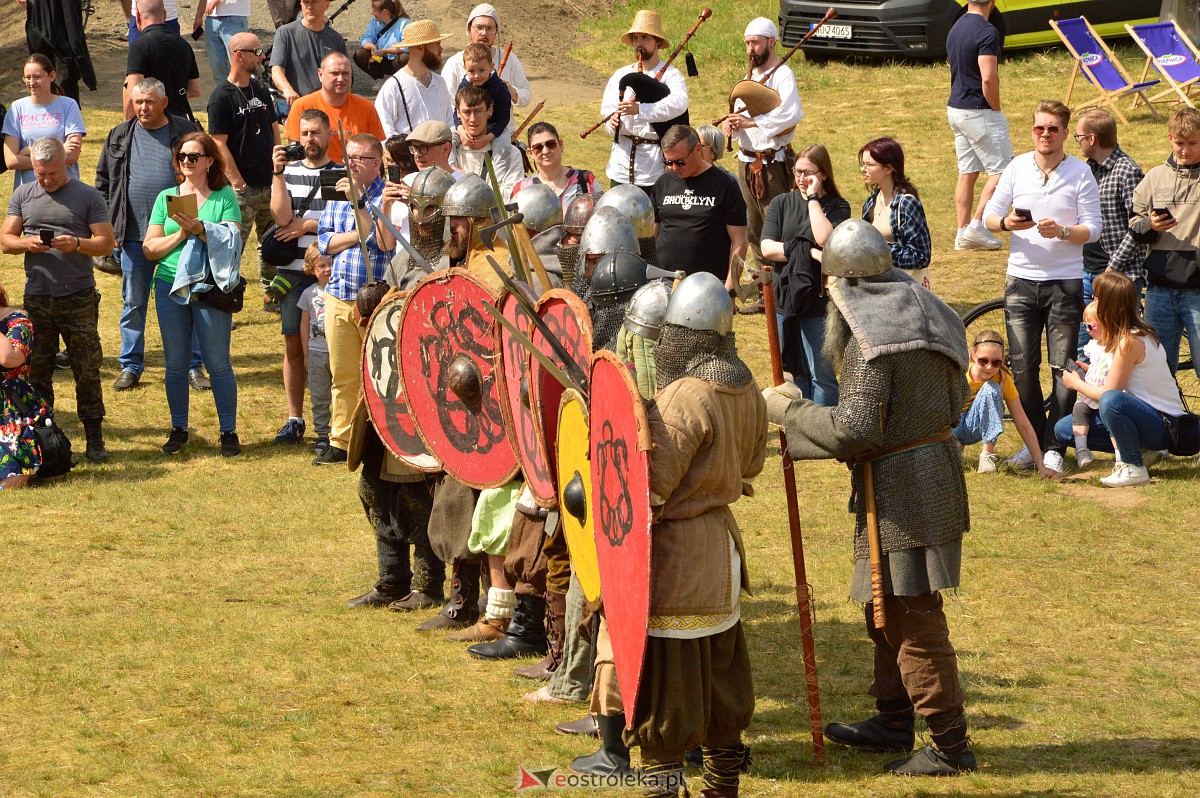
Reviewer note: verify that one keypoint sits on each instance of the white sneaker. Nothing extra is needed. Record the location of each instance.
(1126, 475)
(970, 238)
(1053, 460)
(987, 462)
(1152, 456)
(1022, 460)
(1084, 458)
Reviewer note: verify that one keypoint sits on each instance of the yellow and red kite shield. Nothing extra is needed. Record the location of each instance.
(385, 401)
(449, 375)
(575, 491)
(568, 318)
(620, 451)
(516, 403)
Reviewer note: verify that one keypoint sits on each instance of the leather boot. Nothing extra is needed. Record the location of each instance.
(556, 616)
(722, 770)
(612, 759)
(890, 730)
(462, 609)
(663, 780)
(95, 451)
(949, 755)
(526, 636)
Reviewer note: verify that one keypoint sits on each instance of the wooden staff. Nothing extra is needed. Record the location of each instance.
(705, 13)
(803, 604)
(504, 59)
(536, 109)
(875, 546)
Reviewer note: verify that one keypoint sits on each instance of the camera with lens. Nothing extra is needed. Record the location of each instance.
(294, 151)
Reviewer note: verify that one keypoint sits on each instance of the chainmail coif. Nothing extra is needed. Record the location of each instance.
(427, 238)
(606, 325)
(703, 354)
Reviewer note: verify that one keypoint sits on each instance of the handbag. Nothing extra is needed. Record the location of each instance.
(53, 444)
(230, 301)
(1183, 432)
(283, 253)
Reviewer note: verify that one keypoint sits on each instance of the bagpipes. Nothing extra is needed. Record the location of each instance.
(652, 89)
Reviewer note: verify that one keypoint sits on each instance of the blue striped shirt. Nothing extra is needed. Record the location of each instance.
(349, 271)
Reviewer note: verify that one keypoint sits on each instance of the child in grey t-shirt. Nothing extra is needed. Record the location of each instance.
(312, 338)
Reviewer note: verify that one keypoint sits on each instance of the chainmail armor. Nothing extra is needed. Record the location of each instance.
(648, 248)
(428, 238)
(567, 256)
(703, 354)
(606, 326)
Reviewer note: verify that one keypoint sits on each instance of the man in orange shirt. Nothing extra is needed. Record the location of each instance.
(356, 114)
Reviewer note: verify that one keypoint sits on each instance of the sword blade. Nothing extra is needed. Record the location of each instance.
(381, 217)
(546, 362)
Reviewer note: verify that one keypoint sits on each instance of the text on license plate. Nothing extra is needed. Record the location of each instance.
(833, 32)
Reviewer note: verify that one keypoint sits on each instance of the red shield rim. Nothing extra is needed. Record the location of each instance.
(620, 466)
(386, 405)
(522, 425)
(567, 317)
(444, 319)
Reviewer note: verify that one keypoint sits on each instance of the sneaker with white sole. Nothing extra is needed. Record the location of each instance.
(1053, 460)
(987, 462)
(970, 238)
(1152, 456)
(1022, 460)
(1126, 475)
(1084, 458)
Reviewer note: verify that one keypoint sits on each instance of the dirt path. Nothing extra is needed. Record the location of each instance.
(537, 29)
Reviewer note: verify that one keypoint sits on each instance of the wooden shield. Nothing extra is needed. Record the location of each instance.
(620, 452)
(516, 402)
(567, 317)
(575, 491)
(385, 401)
(448, 374)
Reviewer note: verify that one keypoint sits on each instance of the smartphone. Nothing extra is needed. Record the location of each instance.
(393, 173)
(1073, 367)
(1163, 212)
(197, 34)
(328, 179)
(47, 235)
(1023, 213)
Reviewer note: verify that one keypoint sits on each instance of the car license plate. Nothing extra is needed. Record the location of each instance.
(833, 32)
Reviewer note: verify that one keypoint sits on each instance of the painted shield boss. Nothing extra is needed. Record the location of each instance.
(620, 465)
(449, 375)
(575, 491)
(385, 400)
(567, 317)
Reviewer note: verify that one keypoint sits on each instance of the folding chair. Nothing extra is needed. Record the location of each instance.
(1174, 56)
(1099, 66)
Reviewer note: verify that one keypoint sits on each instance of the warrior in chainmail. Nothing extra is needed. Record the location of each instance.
(574, 220)
(708, 426)
(615, 279)
(902, 354)
(606, 232)
(634, 204)
(637, 340)
(426, 226)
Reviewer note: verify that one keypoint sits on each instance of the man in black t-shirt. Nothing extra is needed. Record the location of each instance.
(699, 210)
(241, 120)
(161, 53)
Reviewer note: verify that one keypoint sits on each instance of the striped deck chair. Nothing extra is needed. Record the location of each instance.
(1100, 66)
(1173, 55)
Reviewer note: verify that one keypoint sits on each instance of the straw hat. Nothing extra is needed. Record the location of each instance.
(646, 22)
(422, 31)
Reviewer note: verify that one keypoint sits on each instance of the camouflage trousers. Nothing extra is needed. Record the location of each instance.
(255, 205)
(73, 318)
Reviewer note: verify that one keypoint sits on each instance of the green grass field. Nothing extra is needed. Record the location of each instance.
(173, 626)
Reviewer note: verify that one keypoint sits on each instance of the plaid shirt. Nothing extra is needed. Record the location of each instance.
(911, 247)
(349, 271)
(1117, 177)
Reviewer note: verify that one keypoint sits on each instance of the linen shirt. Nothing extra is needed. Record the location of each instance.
(404, 102)
(776, 129)
(648, 163)
(1069, 196)
(349, 269)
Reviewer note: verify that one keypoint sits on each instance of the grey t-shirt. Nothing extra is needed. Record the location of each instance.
(150, 171)
(300, 50)
(71, 210)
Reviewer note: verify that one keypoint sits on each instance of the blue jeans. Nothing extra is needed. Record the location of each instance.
(1172, 311)
(984, 419)
(820, 383)
(1134, 425)
(178, 323)
(136, 274)
(218, 31)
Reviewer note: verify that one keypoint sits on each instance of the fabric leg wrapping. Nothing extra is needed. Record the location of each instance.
(573, 679)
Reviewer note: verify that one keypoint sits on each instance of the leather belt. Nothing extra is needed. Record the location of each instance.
(633, 142)
(879, 454)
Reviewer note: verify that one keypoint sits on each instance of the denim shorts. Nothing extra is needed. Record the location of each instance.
(981, 140)
(289, 310)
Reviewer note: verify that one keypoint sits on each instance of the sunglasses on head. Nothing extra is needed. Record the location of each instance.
(992, 362)
(190, 157)
(548, 146)
(1041, 130)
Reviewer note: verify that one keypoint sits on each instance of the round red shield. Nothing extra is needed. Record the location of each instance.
(448, 373)
(516, 402)
(620, 466)
(385, 401)
(567, 317)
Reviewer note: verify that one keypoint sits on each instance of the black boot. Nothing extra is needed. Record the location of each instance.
(613, 757)
(556, 615)
(526, 635)
(462, 609)
(95, 451)
(949, 755)
(663, 780)
(722, 770)
(890, 730)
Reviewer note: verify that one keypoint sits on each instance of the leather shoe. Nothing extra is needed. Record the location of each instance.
(585, 726)
(931, 761)
(873, 735)
(484, 630)
(199, 380)
(372, 598)
(416, 600)
(442, 623)
(537, 671)
(126, 380)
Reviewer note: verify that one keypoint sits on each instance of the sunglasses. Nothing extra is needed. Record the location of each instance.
(1041, 130)
(190, 157)
(994, 363)
(548, 146)
(258, 51)
(1089, 326)
(680, 163)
